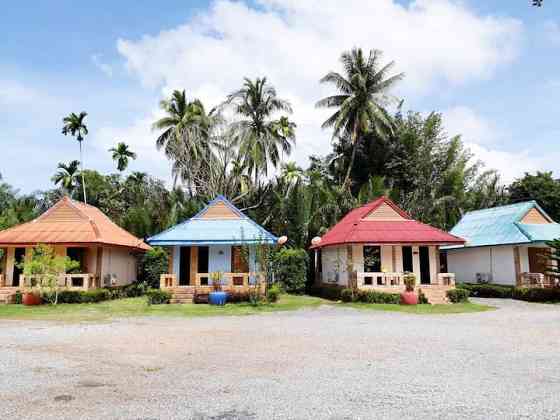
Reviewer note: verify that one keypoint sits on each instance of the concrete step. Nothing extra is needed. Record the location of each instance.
(180, 301)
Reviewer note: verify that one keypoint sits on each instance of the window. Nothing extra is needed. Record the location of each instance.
(79, 255)
(372, 259)
(368, 281)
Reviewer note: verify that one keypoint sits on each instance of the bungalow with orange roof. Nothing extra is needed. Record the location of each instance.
(105, 251)
(373, 246)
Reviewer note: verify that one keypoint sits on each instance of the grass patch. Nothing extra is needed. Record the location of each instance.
(457, 308)
(137, 307)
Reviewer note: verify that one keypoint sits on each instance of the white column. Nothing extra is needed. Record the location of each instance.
(433, 264)
(398, 258)
(416, 263)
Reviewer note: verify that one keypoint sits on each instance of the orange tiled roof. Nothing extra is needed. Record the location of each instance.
(71, 222)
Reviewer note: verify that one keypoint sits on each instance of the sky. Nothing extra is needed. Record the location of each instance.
(489, 66)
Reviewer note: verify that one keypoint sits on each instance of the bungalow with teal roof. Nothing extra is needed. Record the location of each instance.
(504, 245)
(218, 241)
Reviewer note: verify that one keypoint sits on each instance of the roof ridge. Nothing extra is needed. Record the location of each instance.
(519, 204)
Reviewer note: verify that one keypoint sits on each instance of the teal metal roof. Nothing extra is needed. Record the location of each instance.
(199, 231)
(502, 226)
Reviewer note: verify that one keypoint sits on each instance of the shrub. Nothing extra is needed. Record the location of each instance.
(157, 297)
(409, 280)
(536, 294)
(422, 299)
(347, 295)
(152, 265)
(487, 290)
(371, 296)
(458, 295)
(291, 269)
(18, 297)
(273, 293)
(238, 297)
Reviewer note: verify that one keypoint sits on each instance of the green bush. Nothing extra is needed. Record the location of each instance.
(347, 295)
(291, 269)
(368, 296)
(152, 264)
(536, 294)
(273, 293)
(18, 297)
(458, 295)
(422, 299)
(158, 297)
(487, 290)
(99, 295)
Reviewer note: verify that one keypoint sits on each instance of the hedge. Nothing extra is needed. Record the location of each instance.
(291, 269)
(458, 295)
(487, 290)
(534, 294)
(99, 295)
(158, 297)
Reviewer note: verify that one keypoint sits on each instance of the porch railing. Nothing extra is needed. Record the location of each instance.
(537, 280)
(205, 280)
(167, 281)
(82, 281)
(446, 279)
(380, 279)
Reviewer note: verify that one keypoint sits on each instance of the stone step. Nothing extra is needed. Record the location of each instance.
(180, 301)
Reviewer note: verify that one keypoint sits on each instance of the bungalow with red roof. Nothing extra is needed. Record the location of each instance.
(106, 252)
(373, 246)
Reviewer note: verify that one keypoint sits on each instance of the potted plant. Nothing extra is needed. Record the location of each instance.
(217, 296)
(31, 295)
(408, 297)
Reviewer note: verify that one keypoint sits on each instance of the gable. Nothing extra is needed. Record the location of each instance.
(219, 210)
(63, 212)
(384, 213)
(534, 216)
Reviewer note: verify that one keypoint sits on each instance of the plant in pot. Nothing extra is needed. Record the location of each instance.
(41, 272)
(408, 297)
(217, 296)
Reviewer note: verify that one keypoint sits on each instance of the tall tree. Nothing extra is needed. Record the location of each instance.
(186, 136)
(74, 125)
(542, 187)
(261, 138)
(66, 176)
(361, 99)
(122, 154)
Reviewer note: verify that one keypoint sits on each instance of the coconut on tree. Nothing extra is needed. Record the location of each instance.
(122, 155)
(361, 100)
(74, 125)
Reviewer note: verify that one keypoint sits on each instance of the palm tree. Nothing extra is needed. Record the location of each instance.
(260, 137)
(66, 176)
(122, 154)
(187, 133)
(361, 100)
(74, 125)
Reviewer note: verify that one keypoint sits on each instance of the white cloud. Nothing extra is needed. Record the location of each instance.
(471, 126)
(552, 31)
(438, 43)
(13, 92)
(97, 60)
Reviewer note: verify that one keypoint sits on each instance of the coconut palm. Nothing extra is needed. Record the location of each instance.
(261, 138)
(122, 154)
(187, 133)
(74, 125)
(361, 101)
(66, 176)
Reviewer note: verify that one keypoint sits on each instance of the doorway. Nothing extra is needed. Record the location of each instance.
(185, 266)
(407, 259)
(19, 256)
(425, 265)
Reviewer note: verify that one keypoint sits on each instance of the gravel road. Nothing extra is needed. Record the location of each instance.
(328, 363)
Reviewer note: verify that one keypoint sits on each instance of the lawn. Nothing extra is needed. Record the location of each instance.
(457, 308)
(137, 307)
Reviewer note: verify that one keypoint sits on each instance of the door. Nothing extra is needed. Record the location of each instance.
(424, 265)
(185, 266)
(408, 267)
(19, 256)
(537, 260)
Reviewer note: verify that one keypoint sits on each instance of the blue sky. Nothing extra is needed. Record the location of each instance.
(490, 66)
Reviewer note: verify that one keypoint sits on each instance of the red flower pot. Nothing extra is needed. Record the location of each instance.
(31, 299)
(409, 298)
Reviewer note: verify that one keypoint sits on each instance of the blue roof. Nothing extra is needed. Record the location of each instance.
(201, 231)
(502, 226)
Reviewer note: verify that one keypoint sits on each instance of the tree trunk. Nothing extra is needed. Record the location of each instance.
(346, 182)
(82, 171)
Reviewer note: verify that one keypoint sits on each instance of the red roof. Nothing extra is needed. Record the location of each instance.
(71, 222)
(383, 222)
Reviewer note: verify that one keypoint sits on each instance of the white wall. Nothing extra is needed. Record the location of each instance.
(219, 258)
(334, 259)
(120, 263)
(387, 258)
(498, 260)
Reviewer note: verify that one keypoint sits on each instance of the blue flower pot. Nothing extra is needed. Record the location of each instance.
(217, 298)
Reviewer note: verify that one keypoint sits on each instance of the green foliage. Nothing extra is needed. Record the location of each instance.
(273, 293)
(422, 299)
(487, 290)
(553, 265)
(326, 292)
(45, 266)
(541, 187)
(369, 296)
(157, 297)
(535, 294)
(458, 295)
(100, 295)
(291, 269)
(409, 280)
(122, 154)
(152, 264)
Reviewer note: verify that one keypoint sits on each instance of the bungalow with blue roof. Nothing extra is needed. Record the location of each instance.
(504, 245)
(218, 241)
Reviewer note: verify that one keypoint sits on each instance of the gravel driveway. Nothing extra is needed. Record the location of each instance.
(329, 363)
